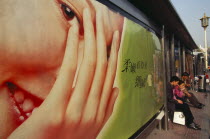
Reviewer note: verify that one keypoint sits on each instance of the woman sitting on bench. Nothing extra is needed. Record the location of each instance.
(175, 97)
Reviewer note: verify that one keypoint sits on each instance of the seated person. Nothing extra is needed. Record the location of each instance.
(176, 102)
(178, 92)
(170, 100)
(186, 79)
(189, 95)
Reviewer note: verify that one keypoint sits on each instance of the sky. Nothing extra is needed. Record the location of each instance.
(191, 11)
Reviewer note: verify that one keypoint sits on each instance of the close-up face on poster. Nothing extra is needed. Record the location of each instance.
(73, 69)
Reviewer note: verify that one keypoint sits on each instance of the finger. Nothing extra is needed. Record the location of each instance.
(59, 95)
(99, 77)
(110, 76)
(111, 103)
(86, 72)
(106, 16)
(91, 4)
(107, 22)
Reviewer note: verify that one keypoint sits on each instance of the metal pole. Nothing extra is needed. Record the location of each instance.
(180, 65)
(168, 58)
(195, 65)
(183, 59)
(164, 81)
(172, 57)
(206, 49)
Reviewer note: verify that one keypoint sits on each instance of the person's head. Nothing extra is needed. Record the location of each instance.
(33, 38)
(174, 80)
(185, 75)
(181, 84)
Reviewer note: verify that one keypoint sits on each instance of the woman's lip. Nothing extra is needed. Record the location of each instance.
(38, 86)
(23, 103)
(15, 88)
(35, 95)
(20, 116)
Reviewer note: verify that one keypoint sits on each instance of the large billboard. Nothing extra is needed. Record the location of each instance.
(75, 69)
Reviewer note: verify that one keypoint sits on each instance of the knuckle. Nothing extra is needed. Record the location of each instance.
(73, 68)
(90, 62)
(71, 122)
(103, 63)
(113, 60)
(73, 65)
(99, 120)
(113, 63)
(72, 119)
(98, 124)
(56, 120)
(88, 120)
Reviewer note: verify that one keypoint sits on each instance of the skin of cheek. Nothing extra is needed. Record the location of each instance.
(36, 38)
(42, 47)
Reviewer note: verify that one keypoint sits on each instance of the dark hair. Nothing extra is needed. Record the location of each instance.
(181, 82)
(174, 78)
(185, 74)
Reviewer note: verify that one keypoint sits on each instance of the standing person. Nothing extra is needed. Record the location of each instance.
(177, 104)
(207, 78)
(189, 95)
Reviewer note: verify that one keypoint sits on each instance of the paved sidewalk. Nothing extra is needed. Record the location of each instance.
(202, 117)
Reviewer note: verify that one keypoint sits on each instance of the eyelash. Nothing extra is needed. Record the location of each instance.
(67, 12)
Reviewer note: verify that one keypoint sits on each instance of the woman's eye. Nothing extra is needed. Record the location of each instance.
(68, 13)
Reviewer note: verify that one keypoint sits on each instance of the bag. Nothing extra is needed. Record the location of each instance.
(207, 80)
(179, 118)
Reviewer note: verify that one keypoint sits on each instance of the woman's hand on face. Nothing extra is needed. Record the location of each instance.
(83, 110)
(92, 100)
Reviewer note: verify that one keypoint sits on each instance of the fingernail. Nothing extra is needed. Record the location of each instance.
(99, 15)
(86, 13)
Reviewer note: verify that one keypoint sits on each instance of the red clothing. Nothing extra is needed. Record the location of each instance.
(177, 92)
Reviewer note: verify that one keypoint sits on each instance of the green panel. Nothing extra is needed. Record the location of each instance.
(139, 77)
